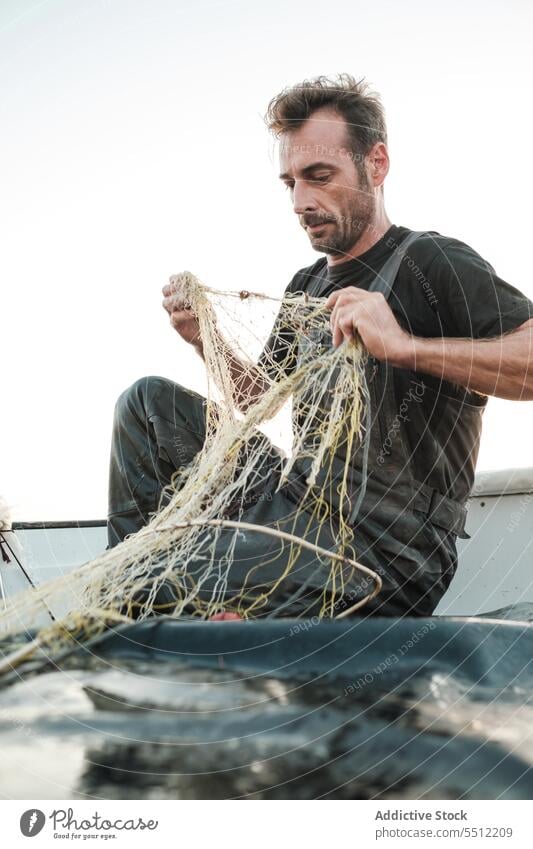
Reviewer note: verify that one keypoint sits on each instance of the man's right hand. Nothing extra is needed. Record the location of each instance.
(181, 318)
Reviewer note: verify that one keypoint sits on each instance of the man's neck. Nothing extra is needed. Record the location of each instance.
(372, 234)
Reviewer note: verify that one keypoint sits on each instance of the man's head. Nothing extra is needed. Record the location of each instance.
(333, 158)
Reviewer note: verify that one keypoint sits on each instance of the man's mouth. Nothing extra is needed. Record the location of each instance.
(315, 225)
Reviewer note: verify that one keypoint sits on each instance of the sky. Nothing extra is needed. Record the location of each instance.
(133, 147)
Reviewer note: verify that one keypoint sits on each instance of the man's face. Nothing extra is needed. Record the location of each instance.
(332, 197)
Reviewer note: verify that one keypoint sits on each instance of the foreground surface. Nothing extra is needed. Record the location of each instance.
(384, 708)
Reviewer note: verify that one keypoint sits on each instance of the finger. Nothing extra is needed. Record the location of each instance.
(176, 301)
(174, 285)
(336, 330)
(170, 287)
(345, 294)
(332, 300)
(177, 317)
(343, 324)
(171, 304)
(346, 326)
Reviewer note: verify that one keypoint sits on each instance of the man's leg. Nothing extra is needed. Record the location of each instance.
(158, 427)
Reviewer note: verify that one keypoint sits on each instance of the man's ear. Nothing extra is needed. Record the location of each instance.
(378, 163)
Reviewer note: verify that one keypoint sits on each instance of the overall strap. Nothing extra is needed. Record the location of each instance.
(382, 282)
(440, 509)
(385, 277)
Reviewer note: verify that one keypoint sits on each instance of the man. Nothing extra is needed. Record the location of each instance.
(442, 332)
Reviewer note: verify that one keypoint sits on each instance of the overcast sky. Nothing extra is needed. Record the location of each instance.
(133, 146)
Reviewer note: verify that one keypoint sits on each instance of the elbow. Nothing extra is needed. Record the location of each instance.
(526, 382)
(518, 389)
(526, 393)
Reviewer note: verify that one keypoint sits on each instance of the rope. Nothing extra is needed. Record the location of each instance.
(330, 404)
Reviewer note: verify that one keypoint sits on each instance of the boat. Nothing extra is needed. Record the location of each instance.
(363, 708)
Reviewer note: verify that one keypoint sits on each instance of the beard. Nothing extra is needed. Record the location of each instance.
(341, 232)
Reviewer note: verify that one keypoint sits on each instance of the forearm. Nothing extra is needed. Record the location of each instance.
(501, 366)
(249, 384)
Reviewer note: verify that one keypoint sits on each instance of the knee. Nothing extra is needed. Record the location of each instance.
(138, 396)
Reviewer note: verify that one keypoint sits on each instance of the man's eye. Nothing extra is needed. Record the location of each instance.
(322, 178)
(289, 185)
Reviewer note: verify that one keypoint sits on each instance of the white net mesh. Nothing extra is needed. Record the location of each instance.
(184, 560)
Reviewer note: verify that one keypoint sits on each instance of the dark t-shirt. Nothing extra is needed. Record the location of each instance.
(443, 289)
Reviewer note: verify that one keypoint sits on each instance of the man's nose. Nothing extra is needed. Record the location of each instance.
(302, 197)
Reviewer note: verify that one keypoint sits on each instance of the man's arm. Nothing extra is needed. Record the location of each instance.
(501, 366)
(249, 381)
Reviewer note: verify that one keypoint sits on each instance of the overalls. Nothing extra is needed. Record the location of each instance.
(403, 529)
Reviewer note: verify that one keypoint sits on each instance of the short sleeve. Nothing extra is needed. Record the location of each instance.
(472, 301)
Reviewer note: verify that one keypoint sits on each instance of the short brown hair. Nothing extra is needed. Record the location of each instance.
(361, 109)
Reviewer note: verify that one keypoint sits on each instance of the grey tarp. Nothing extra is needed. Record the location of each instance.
(367, 708)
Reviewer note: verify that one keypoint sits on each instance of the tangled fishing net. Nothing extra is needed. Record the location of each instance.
(328, 392)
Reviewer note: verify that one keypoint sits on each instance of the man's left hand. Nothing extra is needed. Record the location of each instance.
(369, 314)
